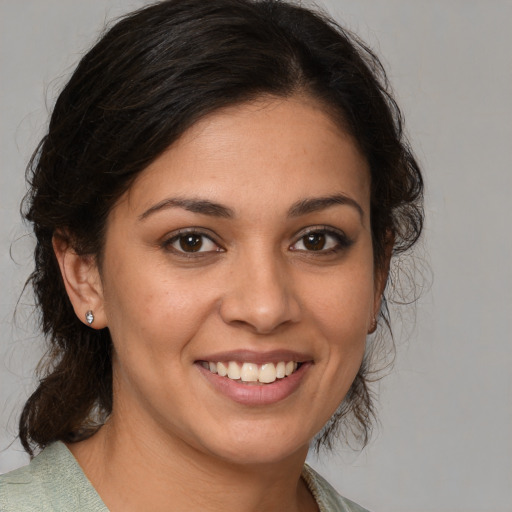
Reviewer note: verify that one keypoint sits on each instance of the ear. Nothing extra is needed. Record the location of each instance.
(82, 281)
(381, 278)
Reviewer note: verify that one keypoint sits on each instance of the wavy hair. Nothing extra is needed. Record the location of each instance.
(151, 76)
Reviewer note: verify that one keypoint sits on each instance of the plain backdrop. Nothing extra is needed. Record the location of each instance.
(444, 443)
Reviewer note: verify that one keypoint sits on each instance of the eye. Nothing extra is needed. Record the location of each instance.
(321, 240)
(191, 242)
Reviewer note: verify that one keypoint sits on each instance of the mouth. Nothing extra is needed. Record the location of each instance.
(256, 379)
(250, 373)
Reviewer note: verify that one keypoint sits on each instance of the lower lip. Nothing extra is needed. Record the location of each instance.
(256, 394)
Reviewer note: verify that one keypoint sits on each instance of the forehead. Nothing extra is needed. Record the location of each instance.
(258, 155)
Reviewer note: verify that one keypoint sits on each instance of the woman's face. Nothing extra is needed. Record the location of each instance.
(245, 248)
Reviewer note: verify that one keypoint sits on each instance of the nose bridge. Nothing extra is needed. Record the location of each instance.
(260, 293)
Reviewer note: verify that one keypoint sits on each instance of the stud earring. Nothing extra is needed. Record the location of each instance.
(89, 317)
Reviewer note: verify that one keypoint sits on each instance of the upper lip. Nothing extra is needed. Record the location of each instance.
(251, 356)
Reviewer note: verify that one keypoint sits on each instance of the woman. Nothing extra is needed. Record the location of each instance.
(216, 203)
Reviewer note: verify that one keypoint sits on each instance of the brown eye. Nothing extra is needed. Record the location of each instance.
(191, 242)
(314, 241)
(322, 241)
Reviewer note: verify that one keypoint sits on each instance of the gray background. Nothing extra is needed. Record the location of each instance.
(445, 439)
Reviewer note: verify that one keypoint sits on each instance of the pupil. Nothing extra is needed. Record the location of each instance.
(314, 241)
(191, 243)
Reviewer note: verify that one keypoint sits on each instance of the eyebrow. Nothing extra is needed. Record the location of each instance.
(202, 206)
(212, 209)
(315, 204)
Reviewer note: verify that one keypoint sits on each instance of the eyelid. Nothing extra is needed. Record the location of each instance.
(339, 234)
(172, 237)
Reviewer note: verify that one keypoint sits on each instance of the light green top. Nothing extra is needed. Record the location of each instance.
(54, 482)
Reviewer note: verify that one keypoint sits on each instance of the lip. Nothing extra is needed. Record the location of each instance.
(251, 356)
(259, 394)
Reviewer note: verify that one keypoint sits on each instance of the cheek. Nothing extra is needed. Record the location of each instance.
(341, 308)
(343, 305)
(152, 324)
(151, 313)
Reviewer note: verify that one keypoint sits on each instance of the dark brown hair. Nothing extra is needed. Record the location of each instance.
(150, 77)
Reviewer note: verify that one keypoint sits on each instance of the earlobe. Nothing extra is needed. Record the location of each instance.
(381, 279)
(379, 291)
(82, 281)
(373, 325)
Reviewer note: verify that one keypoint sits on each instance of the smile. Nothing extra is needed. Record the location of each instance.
(252, 373)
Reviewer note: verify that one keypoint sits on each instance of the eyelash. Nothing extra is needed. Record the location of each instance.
(196, 232)
(340, 238)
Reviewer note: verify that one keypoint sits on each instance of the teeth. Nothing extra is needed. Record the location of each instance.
(221, 369)
(251, 372)
(268, 373)
(233, 370)
(281, 370)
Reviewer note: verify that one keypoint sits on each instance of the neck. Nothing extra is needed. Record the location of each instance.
(133, 472)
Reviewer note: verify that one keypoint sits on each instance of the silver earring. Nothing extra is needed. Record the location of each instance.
(89, 317)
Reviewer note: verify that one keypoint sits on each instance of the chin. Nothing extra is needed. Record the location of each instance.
(259, 444)
(262, 454)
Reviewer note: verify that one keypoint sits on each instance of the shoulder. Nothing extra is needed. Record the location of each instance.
(20, 491)
(52, 481)
(326, 496)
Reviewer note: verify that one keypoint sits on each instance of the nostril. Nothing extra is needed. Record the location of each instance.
(259, 297)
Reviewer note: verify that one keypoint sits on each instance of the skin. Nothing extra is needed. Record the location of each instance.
(255, 285)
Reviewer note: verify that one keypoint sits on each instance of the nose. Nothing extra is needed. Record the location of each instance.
(260, 295)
